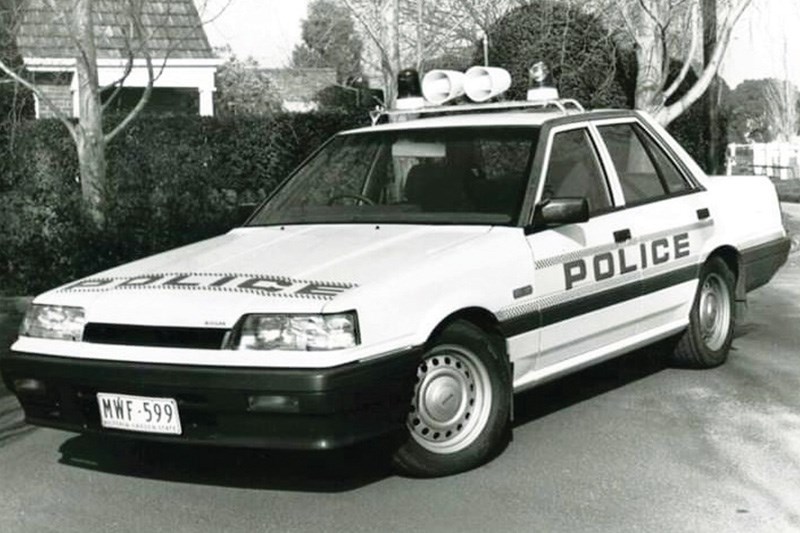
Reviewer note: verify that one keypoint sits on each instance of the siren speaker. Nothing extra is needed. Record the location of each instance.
(483, 83)
(440, 86)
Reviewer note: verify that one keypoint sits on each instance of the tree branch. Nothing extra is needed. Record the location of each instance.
(139, 30)
(374, 36)
(673, 111)
(72, 128)
(687, 64)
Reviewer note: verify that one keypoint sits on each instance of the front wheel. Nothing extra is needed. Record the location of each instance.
(459, 413)
(707, 340)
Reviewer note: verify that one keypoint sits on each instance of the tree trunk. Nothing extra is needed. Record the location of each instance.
(91, 140)
(650, 59)
(391, 31)
(712, 102)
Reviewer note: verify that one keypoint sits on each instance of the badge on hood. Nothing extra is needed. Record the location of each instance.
(247, 283)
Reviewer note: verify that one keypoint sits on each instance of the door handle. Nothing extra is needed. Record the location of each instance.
(622, 235)
(703, 213)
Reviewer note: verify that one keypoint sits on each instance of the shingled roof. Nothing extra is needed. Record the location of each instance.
(175, 27)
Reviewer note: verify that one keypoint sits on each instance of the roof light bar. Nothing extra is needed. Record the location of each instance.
(479, 84)
(564, 105)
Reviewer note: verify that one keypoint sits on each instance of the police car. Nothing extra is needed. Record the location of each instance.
(409, 278)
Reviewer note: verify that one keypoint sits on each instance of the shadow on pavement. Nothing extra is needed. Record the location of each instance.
(323, 471)
(11, 313)
(329, 471)
(12, 424)
(587, 384)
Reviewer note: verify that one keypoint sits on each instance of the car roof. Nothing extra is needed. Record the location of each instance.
(529, 117)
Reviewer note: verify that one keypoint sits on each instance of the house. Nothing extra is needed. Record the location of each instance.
(298, 87)
(181, 55)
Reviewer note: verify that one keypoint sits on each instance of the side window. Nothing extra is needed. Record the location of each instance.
(645, 171)
(574, 171)
(668, 171)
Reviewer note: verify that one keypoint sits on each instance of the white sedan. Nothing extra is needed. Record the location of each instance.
(409, 278)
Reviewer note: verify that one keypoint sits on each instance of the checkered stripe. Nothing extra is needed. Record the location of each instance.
(594, 250)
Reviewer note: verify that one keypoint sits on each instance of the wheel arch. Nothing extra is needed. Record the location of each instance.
(733, 258)
(478, 316)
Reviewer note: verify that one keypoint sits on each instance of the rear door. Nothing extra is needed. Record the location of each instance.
(669, 218)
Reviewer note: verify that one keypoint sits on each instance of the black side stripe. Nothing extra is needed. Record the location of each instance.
(580, 306)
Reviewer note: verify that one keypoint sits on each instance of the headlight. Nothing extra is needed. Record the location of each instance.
(298, 332)
(53, 322)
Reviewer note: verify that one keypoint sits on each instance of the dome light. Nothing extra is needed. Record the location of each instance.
(540, 86)
(409, 91)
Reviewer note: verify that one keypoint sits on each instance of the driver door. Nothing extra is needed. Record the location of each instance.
(585, 278)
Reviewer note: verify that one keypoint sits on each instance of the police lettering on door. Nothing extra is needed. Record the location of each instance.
(612, 263)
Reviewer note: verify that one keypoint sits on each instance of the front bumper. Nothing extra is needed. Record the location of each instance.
(332, 407)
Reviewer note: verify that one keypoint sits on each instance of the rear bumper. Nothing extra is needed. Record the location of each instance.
(763, 261)
(327, 408)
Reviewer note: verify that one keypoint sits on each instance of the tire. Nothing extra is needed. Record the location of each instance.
(446, 436)
(707, 340)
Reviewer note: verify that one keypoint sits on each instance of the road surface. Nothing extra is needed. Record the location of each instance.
(628, 446)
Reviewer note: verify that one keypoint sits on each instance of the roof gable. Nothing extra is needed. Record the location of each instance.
(175, 27)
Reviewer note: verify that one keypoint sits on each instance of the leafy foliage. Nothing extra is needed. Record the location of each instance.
(690, 129)
(752, 117)
(243, 89)
(573, 43)
(330, 40)
(172, 181)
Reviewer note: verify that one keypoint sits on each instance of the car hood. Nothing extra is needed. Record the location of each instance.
(262, 269)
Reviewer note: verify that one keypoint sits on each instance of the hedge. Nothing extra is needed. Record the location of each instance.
(171, 181)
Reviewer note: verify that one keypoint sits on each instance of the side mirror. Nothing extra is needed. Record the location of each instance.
(560, 211)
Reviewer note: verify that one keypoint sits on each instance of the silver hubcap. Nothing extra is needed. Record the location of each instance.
(714, 311)
(452, 399)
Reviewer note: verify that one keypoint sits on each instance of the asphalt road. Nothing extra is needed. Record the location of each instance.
(627, 446)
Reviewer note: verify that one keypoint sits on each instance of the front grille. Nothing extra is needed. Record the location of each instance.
(167, 337)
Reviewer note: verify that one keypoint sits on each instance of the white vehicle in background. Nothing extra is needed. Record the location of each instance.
(410, 277)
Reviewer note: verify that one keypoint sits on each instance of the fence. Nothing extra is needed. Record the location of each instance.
(776, 160)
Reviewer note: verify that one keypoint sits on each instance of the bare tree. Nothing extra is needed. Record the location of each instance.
(380, 20)
(77, 17)
(657, 27)
(781, 98)
(411, 32)
(14, 102)
(659, 30)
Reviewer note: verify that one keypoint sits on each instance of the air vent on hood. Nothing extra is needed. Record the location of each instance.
(167, 337)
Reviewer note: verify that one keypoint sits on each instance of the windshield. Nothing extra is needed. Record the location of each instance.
(445, 176)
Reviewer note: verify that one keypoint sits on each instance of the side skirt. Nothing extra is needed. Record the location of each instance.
(574, 364)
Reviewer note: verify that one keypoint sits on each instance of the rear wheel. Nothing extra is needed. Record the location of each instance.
(460, 407)
(707, 340)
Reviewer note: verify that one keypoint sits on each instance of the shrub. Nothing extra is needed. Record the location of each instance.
(171, 181)
(573, 43)
(588, 65)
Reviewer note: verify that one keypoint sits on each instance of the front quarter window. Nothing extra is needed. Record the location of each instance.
(444, 176)
(573, 171)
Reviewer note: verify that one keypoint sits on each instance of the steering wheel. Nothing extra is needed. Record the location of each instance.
(355, 196)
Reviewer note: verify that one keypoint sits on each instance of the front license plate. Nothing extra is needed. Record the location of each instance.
(139, 413)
